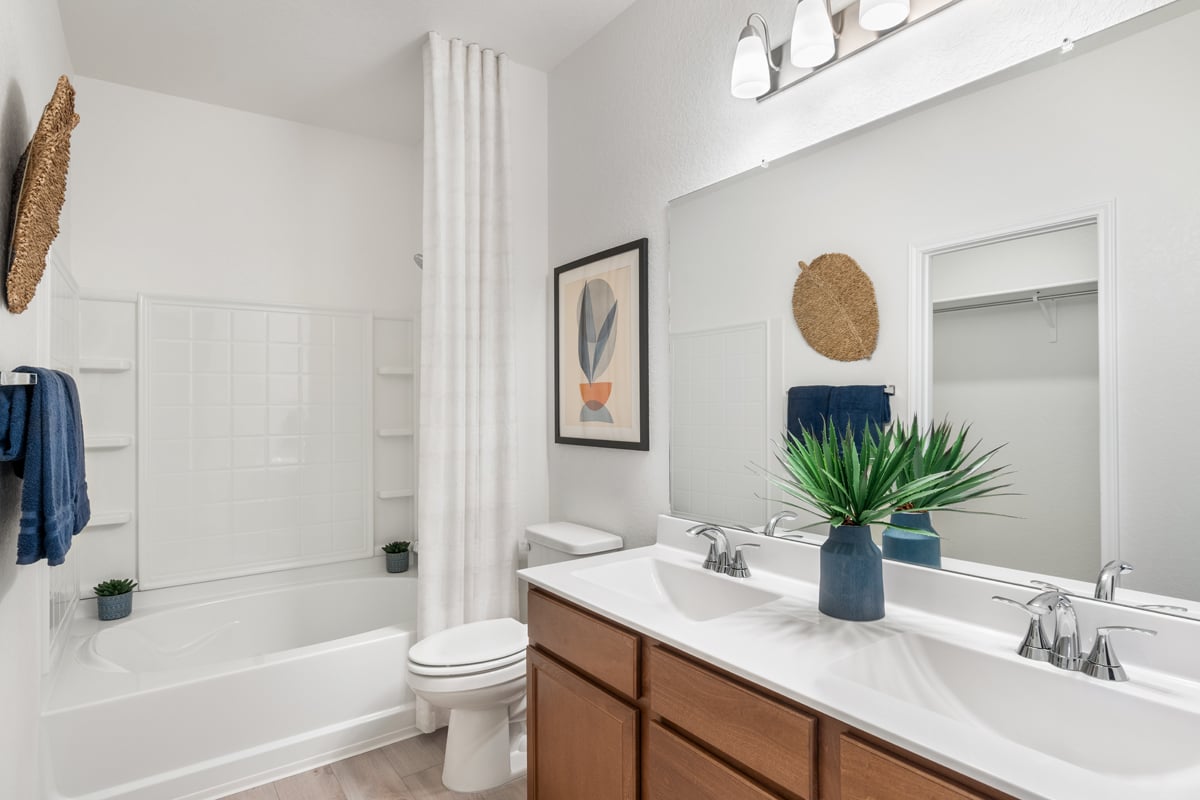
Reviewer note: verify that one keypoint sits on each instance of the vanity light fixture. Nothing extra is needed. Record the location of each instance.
(814, 41)
(882, 15)
(824, 32)
(752, 62)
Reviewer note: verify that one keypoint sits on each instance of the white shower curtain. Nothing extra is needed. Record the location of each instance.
(466, 451)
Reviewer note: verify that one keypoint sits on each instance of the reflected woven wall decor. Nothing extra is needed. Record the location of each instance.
(39, 188)
(834, 305)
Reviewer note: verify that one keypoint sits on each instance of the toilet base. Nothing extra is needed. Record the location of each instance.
(479, 750)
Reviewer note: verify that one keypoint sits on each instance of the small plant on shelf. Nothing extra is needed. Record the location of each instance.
(114, 598)
(397, 556)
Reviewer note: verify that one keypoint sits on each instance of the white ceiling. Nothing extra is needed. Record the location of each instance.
(352, 65)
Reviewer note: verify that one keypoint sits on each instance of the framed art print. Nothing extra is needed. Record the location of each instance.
(601, 390)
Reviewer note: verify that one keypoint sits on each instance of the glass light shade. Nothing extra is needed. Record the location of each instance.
(751, 75)
(880, 15)
(813, 41)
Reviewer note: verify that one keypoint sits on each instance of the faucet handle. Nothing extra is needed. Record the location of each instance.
(1034, 646)
(1168, 608)
(716, 559)
(1047, 585)
(738, 568)
(1102, 661)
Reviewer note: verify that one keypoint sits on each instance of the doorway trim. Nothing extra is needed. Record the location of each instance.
(920, 338)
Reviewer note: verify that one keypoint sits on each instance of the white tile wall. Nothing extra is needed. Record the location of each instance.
(254, 439)
(719, 423)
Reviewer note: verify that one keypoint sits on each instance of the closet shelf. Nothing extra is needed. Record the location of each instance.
(392, 371)
(105, 365)
(394, 494)
(393, 433)
(109, 520)
(107, 442)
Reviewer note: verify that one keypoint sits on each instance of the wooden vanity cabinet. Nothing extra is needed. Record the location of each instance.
(614, 715)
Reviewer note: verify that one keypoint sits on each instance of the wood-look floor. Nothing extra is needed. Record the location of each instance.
(407, 770)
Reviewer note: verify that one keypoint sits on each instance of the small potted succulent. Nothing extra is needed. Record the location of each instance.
(397, 556)
(114, 598)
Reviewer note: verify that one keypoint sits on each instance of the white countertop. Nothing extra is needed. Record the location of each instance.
(788, 647)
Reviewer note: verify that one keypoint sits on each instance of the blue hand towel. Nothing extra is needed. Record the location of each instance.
(54, 501)
(808, 408)
(861, 408)
(14, 413)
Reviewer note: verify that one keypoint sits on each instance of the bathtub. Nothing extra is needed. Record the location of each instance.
(211, 688)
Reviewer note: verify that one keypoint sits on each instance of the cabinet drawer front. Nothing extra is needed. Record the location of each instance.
(603, 651)
(676, 769)
(583, 741)
(868, 773)
(774, 740)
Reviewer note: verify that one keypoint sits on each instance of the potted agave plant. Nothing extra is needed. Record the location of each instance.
(852, 483)
(397, 556)
(937, 450)
(114, 598)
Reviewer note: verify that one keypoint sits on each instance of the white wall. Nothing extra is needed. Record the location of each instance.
(181, 197)
(642, 114)
(33, 54)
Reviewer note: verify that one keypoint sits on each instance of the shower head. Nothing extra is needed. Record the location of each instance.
(420, 261)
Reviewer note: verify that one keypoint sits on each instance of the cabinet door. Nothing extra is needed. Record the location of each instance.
(583, 742)
(869, 773)
(678, 770)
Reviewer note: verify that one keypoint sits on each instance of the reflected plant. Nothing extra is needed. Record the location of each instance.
(938, 450)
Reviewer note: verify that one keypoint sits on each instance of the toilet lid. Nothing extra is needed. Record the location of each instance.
(476, 643)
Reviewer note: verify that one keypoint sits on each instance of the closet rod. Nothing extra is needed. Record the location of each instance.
(1018, 301)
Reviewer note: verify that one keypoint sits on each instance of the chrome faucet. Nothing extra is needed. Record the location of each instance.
(718, 546)
(769, 530)
(1110, 578)
(738, 568)
(1061, 648)
(1058, 645)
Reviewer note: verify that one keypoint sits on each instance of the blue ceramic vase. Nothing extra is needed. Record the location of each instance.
(851, 575)
(914, 548)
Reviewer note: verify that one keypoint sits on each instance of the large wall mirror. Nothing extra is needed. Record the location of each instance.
(1034, 243)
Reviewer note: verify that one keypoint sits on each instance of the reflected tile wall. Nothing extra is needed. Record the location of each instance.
(256, 447)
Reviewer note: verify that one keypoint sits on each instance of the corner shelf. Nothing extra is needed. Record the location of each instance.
(107, 442)
(393, 433)
(105, 365)
(394, 371)
(110, 520)
(394, 494)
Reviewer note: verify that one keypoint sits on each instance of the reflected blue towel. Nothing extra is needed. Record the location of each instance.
(48, 454)
(807, 408)
(856, 406)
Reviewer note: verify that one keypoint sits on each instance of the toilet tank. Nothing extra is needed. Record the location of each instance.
(550, 542)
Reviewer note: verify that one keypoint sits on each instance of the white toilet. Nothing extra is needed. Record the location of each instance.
(477, 671)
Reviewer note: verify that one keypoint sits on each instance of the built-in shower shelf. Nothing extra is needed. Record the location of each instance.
(110, 520)
(105, 365)
(394, 433)
(394, 494)
(107, 442)
(394, 371)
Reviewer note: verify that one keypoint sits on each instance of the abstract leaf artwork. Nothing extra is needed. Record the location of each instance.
(600, 369)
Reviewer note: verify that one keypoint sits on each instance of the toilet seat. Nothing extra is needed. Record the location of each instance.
(470, 649)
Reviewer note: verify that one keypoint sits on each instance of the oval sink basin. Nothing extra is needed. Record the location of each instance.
(696, 594)
(1098, 726)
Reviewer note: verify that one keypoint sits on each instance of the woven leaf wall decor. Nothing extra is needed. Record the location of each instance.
(40, 186)
(834, 306)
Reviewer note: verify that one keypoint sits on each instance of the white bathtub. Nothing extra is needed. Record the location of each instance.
(211, 688)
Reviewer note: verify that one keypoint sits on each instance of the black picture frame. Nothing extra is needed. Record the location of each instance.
(570, 427)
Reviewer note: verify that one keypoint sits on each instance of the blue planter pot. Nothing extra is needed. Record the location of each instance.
(851, 575)
(397, 562)
(116, 606)
(914, 548)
